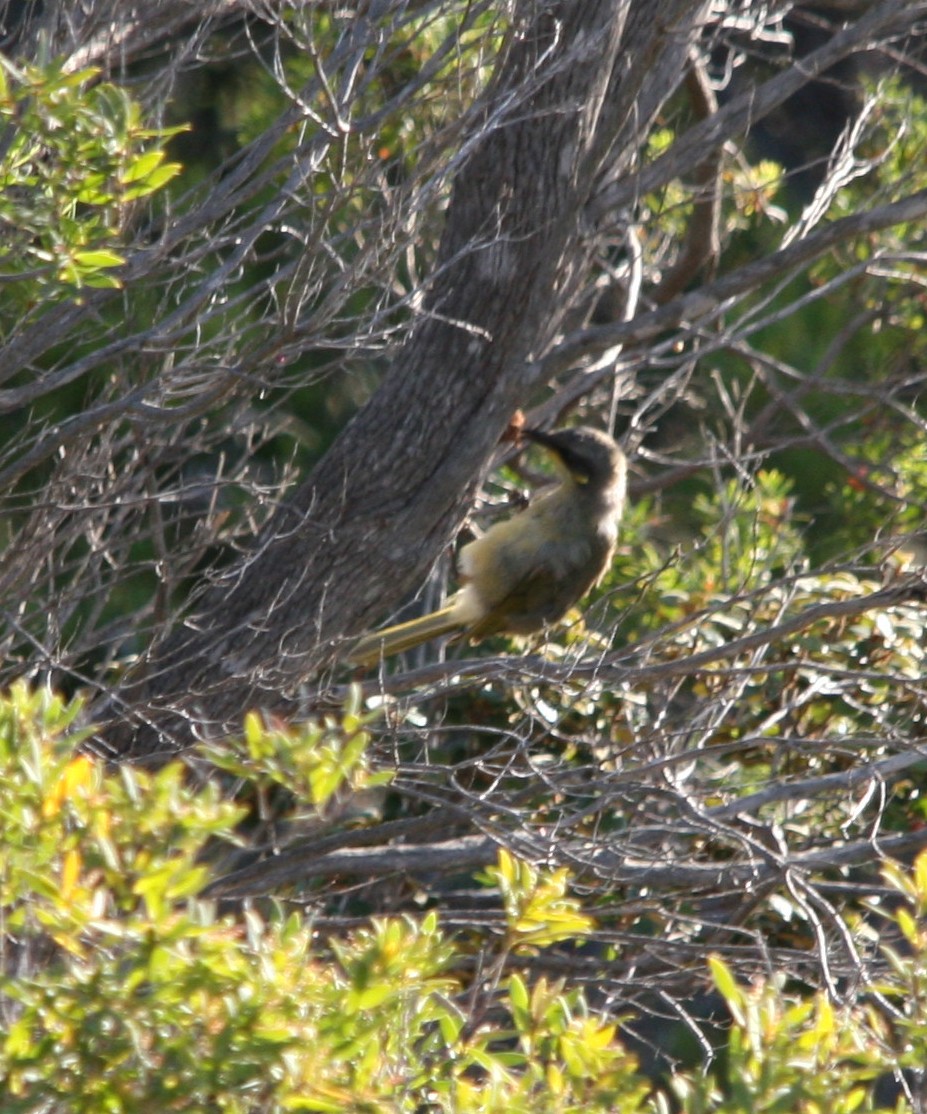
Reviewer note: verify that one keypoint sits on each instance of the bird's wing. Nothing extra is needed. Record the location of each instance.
(528, 571)
(537, 599)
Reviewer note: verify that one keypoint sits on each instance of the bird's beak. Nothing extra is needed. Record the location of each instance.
(539, 437)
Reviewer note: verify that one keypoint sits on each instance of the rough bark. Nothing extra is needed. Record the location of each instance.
(574, 88)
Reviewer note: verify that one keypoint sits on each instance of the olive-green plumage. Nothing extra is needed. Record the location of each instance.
(527, 572)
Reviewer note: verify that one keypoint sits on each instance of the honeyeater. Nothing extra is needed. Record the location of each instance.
(525, 573)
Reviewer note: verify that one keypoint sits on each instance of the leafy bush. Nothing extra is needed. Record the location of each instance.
(122, 991)
(78, 156)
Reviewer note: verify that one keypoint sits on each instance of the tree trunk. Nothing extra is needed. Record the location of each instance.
(574, 90)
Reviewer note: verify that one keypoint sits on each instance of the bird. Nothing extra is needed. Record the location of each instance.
(525, 573)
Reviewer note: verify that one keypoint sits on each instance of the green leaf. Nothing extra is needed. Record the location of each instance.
(99, 257)
(142, 166)
(518, 993)
(152, 181)
(727, 985)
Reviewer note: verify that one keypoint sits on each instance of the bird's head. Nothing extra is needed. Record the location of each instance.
(588, 457)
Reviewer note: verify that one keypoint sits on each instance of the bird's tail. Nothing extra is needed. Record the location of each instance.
(369, 648)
